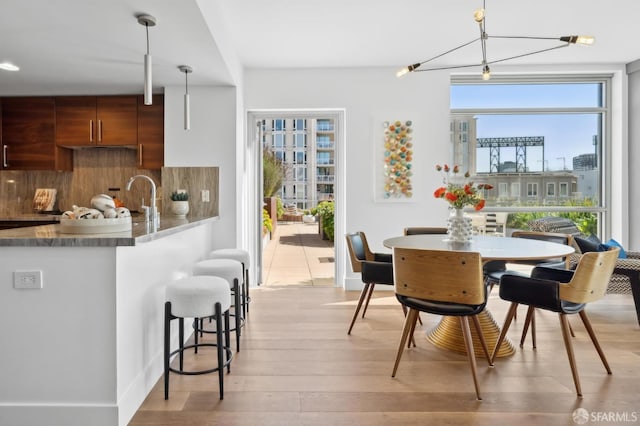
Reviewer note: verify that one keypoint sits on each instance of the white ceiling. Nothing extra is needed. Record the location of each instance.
(97, 46)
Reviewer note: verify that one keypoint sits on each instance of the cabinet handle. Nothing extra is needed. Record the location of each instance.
(4, 156)
(99, 130)
(90, 130)
(140, 154)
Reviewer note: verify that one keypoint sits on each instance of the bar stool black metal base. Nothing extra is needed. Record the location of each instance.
(221, 349)
(239, 322)
(227, 364)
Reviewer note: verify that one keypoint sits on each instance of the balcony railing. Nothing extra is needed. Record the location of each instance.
(325, 161)
(325, 178)
(324, 127)
(325, 145)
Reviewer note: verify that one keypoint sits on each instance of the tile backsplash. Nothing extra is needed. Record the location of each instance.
(107, 171)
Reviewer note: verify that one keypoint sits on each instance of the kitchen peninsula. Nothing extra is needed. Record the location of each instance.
(86, 348)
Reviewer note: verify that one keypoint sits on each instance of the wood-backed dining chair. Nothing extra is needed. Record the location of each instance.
(423, 230)
(565, 292)
(562, 263)
(374, 268)
(443, 283)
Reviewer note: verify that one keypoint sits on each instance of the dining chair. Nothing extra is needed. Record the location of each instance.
(565, 292)
(374, 268)
(496, 224)
(562, 263)
(423, 230)
(441, 282)
(420, 230)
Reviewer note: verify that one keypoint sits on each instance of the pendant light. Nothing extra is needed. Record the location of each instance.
(147, 21)
(186, 69)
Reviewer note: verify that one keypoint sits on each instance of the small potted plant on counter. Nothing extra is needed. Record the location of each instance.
(179, 203)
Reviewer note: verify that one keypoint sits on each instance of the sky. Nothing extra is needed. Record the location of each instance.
(566, 134)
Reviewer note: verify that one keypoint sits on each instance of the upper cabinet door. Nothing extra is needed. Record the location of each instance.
(96, 121)
(76, 123)
(28, 135)
(151, 133)
(117, 121)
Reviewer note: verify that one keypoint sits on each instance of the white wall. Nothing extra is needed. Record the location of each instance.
(370, 96)
(210, 142)
(634, 153)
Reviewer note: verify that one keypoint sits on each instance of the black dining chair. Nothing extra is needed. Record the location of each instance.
(443, 283)
(374, 268)
(494, 270)
(565, 292)
(421, 230)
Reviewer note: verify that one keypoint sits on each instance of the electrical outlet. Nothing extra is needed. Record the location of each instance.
(27, 279)
(205, 196)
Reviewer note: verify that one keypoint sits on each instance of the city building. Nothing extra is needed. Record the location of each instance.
(306, 147)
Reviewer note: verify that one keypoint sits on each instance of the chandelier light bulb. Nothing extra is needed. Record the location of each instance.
(406, 70)
(8, 66)
(478, 15)
(587, 40)
(402, 72)
(486, 73)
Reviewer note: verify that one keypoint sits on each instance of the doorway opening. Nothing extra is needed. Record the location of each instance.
(301, 213)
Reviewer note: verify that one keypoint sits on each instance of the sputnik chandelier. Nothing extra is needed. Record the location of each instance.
(479, 17)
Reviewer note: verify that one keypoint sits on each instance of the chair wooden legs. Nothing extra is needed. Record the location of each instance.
(366, 303)
(507, 322)
(363, 296)
(409, 327)
(409, 323)
(564, 326)
(587, 325)
(412, 340)
(468, 342)
(529, 320)
(483, 342)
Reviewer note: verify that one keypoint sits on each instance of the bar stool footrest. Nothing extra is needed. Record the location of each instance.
(199, 345)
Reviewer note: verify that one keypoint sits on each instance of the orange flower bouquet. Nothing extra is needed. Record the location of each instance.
(457, 192)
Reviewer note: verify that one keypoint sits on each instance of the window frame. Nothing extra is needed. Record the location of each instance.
(602, 210)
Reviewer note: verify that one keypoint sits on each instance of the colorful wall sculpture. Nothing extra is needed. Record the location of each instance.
(398, 154)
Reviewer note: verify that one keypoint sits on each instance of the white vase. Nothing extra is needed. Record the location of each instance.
(459, 229)
(180, 208)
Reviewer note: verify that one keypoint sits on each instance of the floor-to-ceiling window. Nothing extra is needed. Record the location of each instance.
(540, 142)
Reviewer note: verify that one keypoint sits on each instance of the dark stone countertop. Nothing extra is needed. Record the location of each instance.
(50, 235)
(34, 217)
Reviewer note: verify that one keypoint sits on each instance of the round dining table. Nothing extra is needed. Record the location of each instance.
(448, 334)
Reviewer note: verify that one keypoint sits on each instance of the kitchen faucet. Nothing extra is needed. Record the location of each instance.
(153, 209)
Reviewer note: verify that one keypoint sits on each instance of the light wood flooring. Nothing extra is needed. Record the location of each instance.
(298, 366)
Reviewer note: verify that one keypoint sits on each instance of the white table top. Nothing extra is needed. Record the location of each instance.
(489, 247)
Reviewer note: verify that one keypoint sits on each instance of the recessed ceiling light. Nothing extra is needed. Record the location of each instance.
(7, 66)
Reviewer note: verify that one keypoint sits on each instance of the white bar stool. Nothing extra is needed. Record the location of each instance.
(231, 271)
(197, 297)
(243, 257)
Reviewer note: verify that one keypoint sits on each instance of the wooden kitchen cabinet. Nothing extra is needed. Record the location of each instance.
(151, 133)
(96, 121)
(28, 136)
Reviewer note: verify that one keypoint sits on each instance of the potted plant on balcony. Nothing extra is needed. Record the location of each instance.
(179, 203)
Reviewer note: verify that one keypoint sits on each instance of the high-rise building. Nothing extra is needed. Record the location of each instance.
(306, 147)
